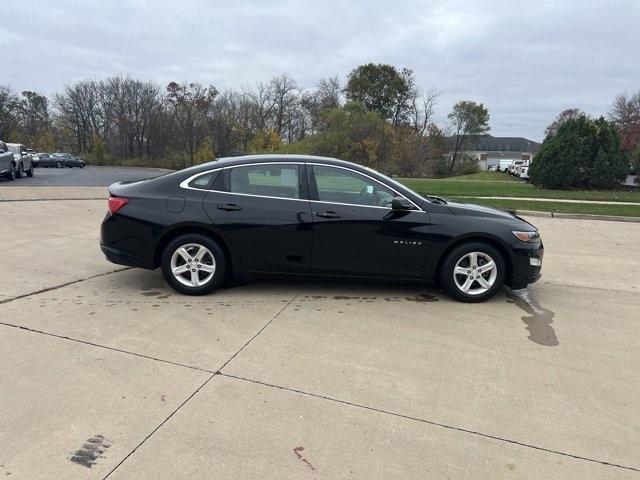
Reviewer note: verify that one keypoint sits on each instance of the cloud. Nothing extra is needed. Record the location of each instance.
(525, 60)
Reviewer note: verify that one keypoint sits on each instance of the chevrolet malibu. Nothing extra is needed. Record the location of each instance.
(304, 216)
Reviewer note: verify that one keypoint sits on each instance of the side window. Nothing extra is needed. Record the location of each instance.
(267, 180)
(344, 186)
(203, 181)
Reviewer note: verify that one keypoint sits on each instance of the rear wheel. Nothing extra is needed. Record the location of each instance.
(193, 264)
(58, 164)
(472, 272)
(30, 171)
(11, 174)
(19, 171)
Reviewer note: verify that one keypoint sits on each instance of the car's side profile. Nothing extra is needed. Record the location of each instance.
(293, 215)
(59, 160)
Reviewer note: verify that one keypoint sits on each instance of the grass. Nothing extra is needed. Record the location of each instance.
(492, 184)
(559, 207)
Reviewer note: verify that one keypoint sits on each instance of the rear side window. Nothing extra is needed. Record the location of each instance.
(266, 180)
(203, 182)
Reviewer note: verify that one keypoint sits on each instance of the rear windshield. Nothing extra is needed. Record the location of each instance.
(14, 149)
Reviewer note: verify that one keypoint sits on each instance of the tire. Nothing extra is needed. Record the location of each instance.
(213, 258)
(20, 171)
(81, 165)
(58, 164)
(11, 174)
(30, 172)
(462, 257)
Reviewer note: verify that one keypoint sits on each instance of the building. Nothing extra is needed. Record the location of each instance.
(490, 150)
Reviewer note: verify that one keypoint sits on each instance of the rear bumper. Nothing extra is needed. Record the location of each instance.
(120, 257)
(127, 242)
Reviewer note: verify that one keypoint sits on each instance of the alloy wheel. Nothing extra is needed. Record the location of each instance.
(193, 265)
(475, 273)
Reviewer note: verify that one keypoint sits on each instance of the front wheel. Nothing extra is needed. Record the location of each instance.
(30, 172)
(19, 171)
(58, 164)
(472, 272)
(193, 264)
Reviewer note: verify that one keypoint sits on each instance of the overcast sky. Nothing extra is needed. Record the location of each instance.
(525, 60)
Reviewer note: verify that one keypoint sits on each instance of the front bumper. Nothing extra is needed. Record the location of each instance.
(527, 265)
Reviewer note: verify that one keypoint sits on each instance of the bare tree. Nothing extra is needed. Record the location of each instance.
(625, 114)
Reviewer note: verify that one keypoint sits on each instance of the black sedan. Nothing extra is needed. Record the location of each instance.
(301, 216)
(59, 160)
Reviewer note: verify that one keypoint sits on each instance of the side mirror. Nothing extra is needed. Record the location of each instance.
(401, 203)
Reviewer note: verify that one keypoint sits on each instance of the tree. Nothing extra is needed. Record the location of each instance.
(8, 104)
(190, 104)
(382, 88)
(625, 115)
(469, 119)
(562, 117)
(583, 153)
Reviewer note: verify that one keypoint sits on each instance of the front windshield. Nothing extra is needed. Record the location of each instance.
(396, 183)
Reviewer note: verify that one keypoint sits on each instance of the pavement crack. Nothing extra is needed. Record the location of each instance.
(106, 347)
(66, 284)
(433, 423)
(262, 329)
(159, 426)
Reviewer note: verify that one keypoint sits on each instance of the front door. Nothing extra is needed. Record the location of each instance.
(263, 212)
(355, 231)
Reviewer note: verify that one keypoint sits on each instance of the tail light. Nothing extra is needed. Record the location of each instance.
(116, 203)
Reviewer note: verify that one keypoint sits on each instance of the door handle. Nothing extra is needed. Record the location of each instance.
(229, 207)
(328, 214)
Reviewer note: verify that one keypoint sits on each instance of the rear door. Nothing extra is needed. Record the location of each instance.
(356, 233)
(263, 211)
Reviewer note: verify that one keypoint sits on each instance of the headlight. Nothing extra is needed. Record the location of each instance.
(527, 236)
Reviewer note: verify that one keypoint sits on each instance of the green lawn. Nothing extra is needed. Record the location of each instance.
(560, 207)
(492, 184)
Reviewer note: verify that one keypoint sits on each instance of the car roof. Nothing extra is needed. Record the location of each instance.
(16, 144)
(275, 158)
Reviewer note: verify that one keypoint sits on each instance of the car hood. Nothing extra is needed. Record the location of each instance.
(473, 210)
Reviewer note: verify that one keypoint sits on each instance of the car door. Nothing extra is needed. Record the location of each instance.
(263, 212)
(355, 231)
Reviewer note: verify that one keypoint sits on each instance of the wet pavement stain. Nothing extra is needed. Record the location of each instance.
(151, 294)
(422, 298)
(297, 451)
(538, 320)
(92, 449)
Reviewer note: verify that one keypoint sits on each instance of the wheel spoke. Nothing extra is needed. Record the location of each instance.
(473, 259)
(483, 283)
(461, 271)
(467, 284)
(180, 269)
(199, 254)
(207, 268)
(487, 267)
(184, 254)
(195, 278)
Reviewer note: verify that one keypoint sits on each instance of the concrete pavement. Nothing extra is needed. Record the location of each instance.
(112, 375)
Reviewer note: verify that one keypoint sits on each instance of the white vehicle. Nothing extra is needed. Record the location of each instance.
(513, 168)
(504, 165)
(524, 173)
(21, 160)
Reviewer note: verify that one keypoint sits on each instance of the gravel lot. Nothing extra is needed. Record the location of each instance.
(108, 373)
